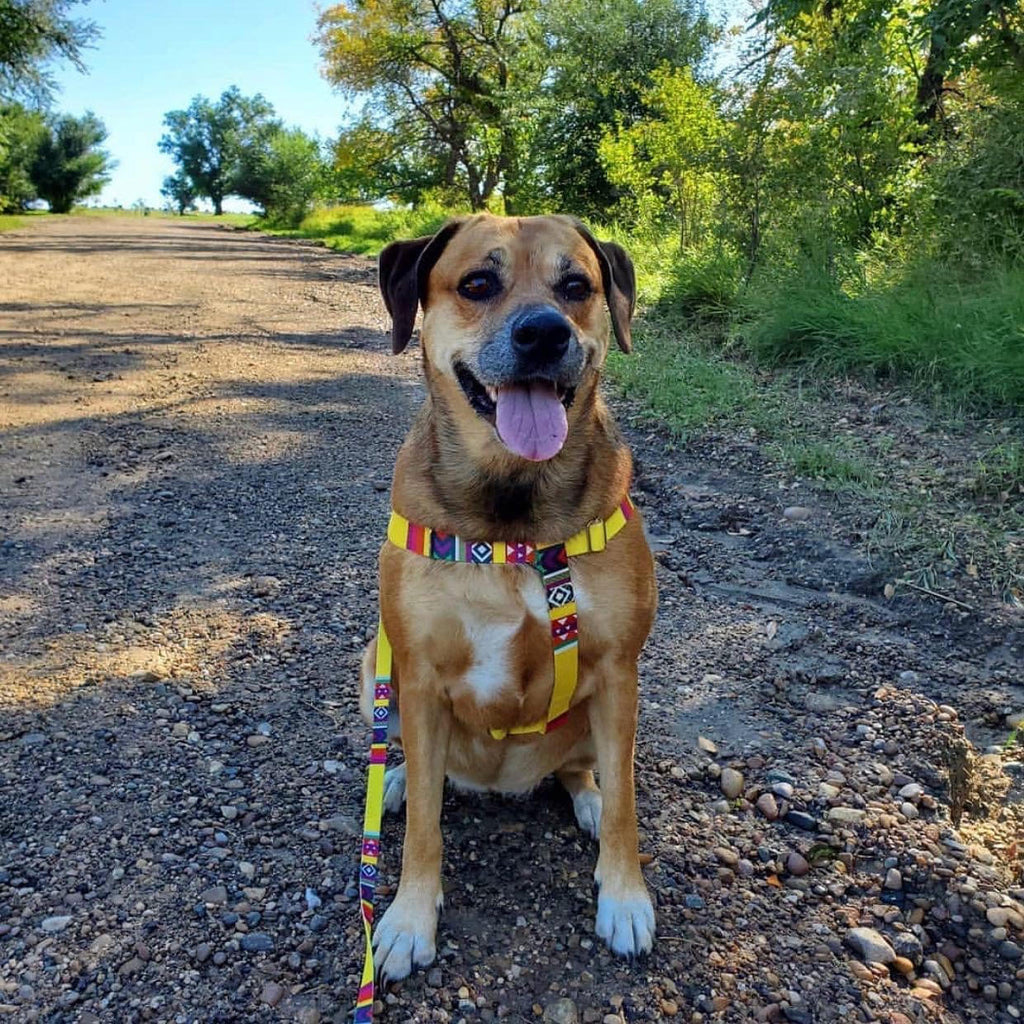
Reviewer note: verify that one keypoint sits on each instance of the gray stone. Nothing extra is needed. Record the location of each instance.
(58, 923)
(257, 942)
(870, 945)
(561, 1011)
(731, 782)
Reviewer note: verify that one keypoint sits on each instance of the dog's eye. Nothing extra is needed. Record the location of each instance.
(479, 286)
(574, 289)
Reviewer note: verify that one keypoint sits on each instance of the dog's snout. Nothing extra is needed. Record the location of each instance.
(542, 334)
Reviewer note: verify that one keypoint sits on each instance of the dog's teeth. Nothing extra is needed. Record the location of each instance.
(492, 394)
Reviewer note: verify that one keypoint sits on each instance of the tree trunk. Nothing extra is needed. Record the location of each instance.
(217, 205)
(930, 84)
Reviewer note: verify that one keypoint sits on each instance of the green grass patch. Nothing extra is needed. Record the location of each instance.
(364, 229)
(828, 463)
(958, 340)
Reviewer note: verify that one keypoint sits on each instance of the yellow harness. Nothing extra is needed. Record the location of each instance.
(552, 562)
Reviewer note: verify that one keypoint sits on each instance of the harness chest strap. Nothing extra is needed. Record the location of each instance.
(552, 562)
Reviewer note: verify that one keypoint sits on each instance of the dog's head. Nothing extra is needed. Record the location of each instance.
(514, 321)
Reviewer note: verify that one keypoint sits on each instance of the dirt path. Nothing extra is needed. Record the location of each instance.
(196, 434)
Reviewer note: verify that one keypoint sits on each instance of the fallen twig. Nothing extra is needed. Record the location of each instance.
(935, 594)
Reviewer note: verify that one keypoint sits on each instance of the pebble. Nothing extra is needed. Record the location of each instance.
(802, 820)
(870, 945)
(847, 815)
(257, 942)
(58, 923)
(796, 513)
(797, 865)
(893, 879)
(731, 783)
(561, 1011)
(767, 806)
(272, 993)
(708, 746)
(730, 858)
(1000, 917)
(203, 952)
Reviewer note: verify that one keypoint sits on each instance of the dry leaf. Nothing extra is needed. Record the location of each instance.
(771, 629)
(774, 880)
(890, 591)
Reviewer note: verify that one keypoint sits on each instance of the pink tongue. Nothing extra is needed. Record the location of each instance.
(531, 420)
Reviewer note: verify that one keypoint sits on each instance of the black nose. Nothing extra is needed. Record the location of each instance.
(542, 334)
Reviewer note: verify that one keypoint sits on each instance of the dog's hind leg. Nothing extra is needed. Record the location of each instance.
(586, 798)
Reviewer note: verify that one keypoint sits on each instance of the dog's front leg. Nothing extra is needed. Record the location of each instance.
(405, 935)
(625, 915)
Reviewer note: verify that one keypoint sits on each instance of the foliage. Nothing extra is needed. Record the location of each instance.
(213, 143)
(179, 192)
(69, 164)
(21, 131)
(665, 162)
(602, 60)
(32, 33)
(449, 80)
(282, 176)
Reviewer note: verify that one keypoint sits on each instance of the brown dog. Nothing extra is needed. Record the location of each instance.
(513, 443)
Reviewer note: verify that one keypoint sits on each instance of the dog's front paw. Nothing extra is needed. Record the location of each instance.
(587, 805)
(405, 938)
(626, 922)
(394, 789)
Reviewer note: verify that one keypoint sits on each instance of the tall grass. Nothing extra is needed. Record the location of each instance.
(956, 336)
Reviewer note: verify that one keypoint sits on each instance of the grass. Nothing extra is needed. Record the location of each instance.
(12, 221)
(364, 229)
(953, 338)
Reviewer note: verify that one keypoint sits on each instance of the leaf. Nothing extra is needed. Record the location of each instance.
(890, 591)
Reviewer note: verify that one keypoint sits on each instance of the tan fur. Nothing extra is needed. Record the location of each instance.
(447, 476)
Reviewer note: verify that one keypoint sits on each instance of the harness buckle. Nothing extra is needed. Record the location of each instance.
(597, 535)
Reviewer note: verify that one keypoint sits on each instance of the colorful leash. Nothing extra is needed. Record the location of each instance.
(372, 817)
(552, 562)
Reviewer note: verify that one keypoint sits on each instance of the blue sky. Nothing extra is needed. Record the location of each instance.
(155, 56)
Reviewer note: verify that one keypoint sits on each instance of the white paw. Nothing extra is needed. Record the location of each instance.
(587, 805)
(404, 939)
(626, 923)
(394, 789)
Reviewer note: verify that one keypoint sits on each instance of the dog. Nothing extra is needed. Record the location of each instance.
(513, 443)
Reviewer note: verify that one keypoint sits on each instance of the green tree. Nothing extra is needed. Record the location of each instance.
(449, 78)
(212, 142)
(284, 176)
(69, 164)
(603, 57)
(32, 33)
(179, 191)
(21, 131)
(667, 161)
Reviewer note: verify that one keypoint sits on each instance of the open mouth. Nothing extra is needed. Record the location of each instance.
(528, 415)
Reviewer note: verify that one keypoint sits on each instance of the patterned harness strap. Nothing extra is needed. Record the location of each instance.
(552, 562)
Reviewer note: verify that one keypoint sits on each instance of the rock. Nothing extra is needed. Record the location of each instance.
(903, 965)
(256, 740)
(767, 806)
(272, 993)
(257, 942)
(912, 791)
(796, 513)
(893, 880)
(1000, 917)
(435, 977)
(216, 894)
(58, 923)
(797, 865)
(731, 782)
(669, 1007)
(908, 945)
(202, 952)
(708, 746)
(229, 812)
(561, 1011)
(730, 858)
(802, 820)
(1010, 950)
(870, 945)
(847, 815)
(909, 811)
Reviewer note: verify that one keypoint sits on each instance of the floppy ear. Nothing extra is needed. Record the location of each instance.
(619, 280)
(403, 270)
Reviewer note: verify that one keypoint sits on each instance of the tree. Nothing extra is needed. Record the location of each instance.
(21, 131)
(282, 177)
(667, 160)
(603, 59)
(450, 79)
(179, 191)
(69, 165)
(33, 32)
(210, 142)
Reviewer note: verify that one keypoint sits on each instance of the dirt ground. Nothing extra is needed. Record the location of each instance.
(196, 433)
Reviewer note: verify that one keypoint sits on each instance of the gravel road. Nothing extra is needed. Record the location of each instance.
(197, 427)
